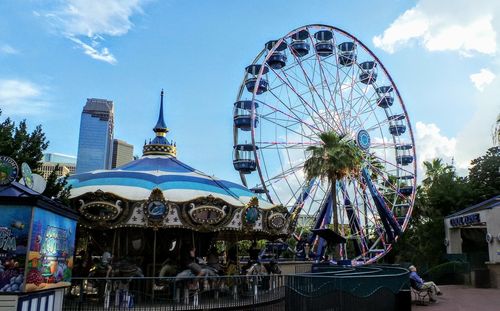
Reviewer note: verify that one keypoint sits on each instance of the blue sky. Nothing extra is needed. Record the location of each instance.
(443, 55)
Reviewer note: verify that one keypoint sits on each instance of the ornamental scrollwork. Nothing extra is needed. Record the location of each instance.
(156, 208)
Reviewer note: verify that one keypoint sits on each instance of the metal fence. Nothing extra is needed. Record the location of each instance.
(189, 293)
(331, 288)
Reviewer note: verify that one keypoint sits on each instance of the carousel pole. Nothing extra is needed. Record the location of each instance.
(154, 261)
(114, 243)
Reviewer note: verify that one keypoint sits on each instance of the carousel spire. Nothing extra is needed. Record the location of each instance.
(160, 126)
(160, 144)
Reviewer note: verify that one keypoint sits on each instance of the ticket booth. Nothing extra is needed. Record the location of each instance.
(37, 238)
(475, 232)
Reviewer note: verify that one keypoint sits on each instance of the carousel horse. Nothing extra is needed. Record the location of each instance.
(256, 274)
(121, 268)
(273, 268)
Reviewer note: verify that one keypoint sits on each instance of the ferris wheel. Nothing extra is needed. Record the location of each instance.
(315, 79)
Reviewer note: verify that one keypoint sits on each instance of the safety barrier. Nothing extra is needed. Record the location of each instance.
(330, 288)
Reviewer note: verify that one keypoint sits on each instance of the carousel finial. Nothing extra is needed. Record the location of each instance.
(160, 126)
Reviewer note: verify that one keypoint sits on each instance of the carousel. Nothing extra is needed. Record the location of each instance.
(151, 210)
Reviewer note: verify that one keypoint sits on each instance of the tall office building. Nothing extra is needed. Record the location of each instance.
(95, 145)
(122, 153)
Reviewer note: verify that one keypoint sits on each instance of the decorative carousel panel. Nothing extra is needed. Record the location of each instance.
(102, 209)
(173, 219)
(137, 218)
(276, 221)
(251, 215)
(235, 222)
(156, 208)
(207, 214)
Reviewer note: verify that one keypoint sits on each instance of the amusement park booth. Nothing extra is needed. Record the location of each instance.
(475, 232)
(37, 238)
(146, 210)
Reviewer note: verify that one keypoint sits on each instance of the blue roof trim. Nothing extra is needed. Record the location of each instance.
(480, 206)
(210, 186)
(155, 164)
(123, 177)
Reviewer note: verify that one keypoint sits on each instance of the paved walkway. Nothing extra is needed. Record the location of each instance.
(461, 298)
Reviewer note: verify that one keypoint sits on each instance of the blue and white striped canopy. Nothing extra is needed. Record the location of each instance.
(178, 181)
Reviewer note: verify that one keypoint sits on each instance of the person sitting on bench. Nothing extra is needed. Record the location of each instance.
(420, 285)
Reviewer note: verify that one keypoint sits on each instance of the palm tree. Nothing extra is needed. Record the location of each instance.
(496, 132)
(433, 169)
(336, 158)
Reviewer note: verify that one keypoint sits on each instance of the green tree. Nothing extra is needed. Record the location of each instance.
(16, 142)
(484, 175)
(444, 193)
(336, 158)
(433, 169)
(22, 146)
(57, 187)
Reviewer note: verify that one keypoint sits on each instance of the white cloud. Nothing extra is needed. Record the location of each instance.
(102, 55)
(87, 22)
(432, 144)
(20, 97)
(412, 24)
(470, 143)
(7, 49)
(448, 25)
(482, 78)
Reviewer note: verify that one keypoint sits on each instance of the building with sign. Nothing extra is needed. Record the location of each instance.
(475, 232)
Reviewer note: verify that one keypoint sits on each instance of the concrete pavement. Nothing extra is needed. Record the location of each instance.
(462, 298)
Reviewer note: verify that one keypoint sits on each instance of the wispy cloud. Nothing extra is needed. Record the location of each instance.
(7, 49)
(21, 97)
(482, 78)
(102, 55)
(87, 22)
(448, 25)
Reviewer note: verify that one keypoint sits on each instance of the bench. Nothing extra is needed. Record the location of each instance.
(422, 296)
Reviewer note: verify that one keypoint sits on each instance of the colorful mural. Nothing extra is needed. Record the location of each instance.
(50, 258)
(14, 231)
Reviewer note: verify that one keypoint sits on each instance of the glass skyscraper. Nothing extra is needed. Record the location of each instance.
(95, 146)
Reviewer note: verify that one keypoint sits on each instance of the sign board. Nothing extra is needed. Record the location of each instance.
(465, 220)
(27, 175)
(8, 170)
(14, 231)
(50, 257)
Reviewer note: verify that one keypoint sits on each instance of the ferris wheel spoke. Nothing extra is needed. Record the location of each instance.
(312, 87)
(338, 89)
(285, 145)
(284, 174)
(365, 103)
(392, 164)
(295, 117)
(376, 126)
(294, 111)
(290, 87)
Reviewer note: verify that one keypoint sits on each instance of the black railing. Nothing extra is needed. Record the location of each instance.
(331, 288)
(192, 293)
